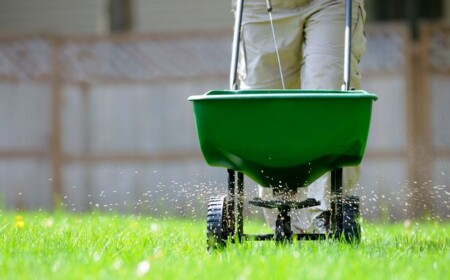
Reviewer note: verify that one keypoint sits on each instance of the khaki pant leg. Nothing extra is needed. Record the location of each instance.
(323, 69)
(258, 64)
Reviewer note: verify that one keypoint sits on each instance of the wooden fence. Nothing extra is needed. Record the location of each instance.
(103, 122)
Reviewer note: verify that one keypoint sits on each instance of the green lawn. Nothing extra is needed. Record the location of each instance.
(39, 245)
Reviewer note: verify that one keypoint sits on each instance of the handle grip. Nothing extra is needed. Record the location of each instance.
(269, 5)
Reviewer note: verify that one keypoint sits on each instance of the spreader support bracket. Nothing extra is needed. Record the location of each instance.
(280, 204)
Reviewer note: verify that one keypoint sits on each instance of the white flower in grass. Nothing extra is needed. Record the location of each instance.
(142, 268)
(48, 222)
(154, 227)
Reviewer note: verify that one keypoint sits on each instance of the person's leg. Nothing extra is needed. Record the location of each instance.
(323, 69)
(323, 49)
(258, 64)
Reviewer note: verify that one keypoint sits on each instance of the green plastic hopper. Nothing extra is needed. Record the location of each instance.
(283, 138)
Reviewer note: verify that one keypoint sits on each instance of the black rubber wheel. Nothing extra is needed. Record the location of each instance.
(219, 222)
(351, 229)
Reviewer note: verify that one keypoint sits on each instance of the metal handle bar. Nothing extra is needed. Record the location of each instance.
(348, 45)
(236, 43)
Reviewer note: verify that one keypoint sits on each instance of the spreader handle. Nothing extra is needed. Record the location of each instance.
(236, 43)
(348, 45)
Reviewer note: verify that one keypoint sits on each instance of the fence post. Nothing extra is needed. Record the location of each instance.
(421, 154)
(56, 142)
